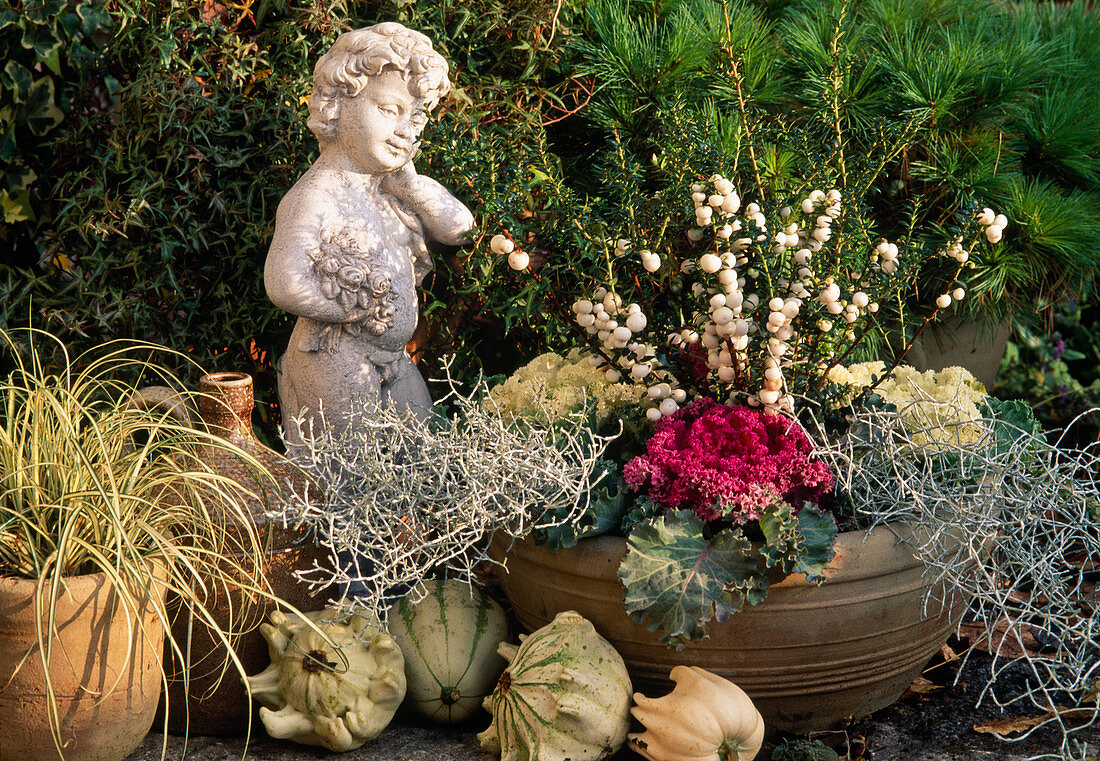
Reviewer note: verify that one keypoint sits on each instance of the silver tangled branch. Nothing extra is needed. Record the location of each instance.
(403, 499)
(1013, 524)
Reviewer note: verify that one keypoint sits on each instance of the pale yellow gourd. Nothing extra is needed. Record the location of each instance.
(333, 684)
(704, 718)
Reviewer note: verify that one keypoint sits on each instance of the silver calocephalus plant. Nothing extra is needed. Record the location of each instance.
(404, 499)
(1012, 521)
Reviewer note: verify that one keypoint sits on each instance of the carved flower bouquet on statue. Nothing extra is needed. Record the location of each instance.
(719, 514)
(349, 277)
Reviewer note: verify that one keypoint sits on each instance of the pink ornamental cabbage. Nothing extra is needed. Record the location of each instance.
(722, 461)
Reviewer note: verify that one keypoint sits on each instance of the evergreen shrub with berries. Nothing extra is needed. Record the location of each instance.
(735, 322)
(724, 263)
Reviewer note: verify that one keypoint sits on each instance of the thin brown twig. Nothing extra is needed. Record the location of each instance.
(567, 113)
(745, 124)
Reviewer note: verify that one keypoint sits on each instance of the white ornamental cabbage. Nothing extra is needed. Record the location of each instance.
(564, 696)
(336, 685)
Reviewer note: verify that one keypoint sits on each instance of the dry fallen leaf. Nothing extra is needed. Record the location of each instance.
(922, 686)
(211, 10)
(1020, 724)
(1005, 646)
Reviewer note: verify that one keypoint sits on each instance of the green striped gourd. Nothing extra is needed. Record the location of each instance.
(565, 696)
(449, 640)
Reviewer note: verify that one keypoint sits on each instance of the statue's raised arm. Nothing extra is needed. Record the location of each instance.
(349, 245)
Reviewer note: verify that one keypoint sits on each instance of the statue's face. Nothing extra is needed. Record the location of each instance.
(379, 129)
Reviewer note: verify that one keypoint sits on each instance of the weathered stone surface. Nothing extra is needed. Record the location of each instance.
(349, 247)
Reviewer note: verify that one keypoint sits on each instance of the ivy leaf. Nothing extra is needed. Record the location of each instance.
(19, 176)
(818, 531)
(41, 40)
(8, 17)
(94, 20)
(9, 150)
(678, 579)
(16, 206)
(42, 113)
(53, 61)
(44, 11)
(18, 79)
(70, 25)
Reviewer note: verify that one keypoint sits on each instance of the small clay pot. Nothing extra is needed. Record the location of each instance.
(976, 346)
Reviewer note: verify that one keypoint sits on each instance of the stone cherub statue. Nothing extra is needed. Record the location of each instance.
(349, 245)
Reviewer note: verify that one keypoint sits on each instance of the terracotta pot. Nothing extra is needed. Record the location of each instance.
(808, 656)
(105, 672)
(208, 697)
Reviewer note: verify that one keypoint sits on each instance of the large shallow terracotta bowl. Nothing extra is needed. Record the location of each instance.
(809, 656)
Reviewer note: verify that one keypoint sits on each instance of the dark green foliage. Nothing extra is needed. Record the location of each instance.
(1058, 373)
(604, 512)
(1013, 420)
(571, 123)
(646, 58)
(163, 198)
(803, 749)
(1002, 108)
(915, 108)
(644, 509)
(818, 530)
(47, 47)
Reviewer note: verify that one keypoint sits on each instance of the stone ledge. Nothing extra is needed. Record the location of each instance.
(396, 743)
(937, 727)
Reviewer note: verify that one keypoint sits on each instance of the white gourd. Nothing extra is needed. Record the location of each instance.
(337, 687)
(704, 718)
(449, 639)
(565, 696)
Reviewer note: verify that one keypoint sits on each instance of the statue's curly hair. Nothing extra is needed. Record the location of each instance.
(359, 55)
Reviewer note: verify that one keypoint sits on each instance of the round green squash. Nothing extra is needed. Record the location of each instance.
(565, 696)
(449, 639)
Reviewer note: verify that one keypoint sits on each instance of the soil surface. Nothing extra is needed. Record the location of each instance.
(936, 724)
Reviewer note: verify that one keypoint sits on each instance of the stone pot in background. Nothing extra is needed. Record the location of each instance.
(208, 697)
(104, 668)
(977, 346)
(808, 656)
